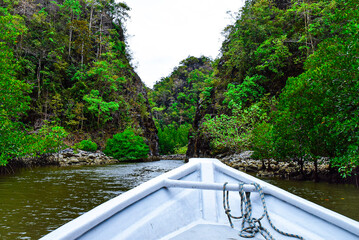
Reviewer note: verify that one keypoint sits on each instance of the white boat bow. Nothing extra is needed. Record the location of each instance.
(187, 203)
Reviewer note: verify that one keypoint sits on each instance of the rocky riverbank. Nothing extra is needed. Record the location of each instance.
(284, 170)
(173, 157)
(69, 157)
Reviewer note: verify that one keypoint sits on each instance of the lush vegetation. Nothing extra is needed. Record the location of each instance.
(15, 101)
(173, 138)
(126, 146)
(64, 66)
(174, 101)
(288, 83)
(174, 98)
(285, 85)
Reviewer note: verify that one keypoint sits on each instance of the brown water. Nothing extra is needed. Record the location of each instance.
(341, 198)
(35, 202)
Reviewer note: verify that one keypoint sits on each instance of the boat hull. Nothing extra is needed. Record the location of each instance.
(186, 203)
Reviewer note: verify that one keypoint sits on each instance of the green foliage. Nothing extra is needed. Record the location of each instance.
(19, 143)
(65, 62)
(72, 6)
(48, 139)
(13, 92)
(244, 94)
(13, 140)
(233, 133)
(348, 161)
(262, 141)
(87, 145)
(99, 107)
(14, 99)
(126, 146)
(65, 50)
(273, 55)
(181, 150)
(318, 110)
(307, 54)
(175, 97)
(173, 138)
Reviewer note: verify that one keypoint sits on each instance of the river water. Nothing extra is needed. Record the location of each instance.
(36, 201)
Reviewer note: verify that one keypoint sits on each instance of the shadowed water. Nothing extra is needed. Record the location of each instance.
(35, 202)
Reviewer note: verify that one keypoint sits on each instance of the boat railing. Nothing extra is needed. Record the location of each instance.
(169, 183)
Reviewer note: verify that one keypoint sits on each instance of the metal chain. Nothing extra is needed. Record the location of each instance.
(250, 225)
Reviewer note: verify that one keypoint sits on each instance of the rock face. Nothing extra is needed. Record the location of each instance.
(142, 113)
(68, 157)
(147, 123)
(198, 142)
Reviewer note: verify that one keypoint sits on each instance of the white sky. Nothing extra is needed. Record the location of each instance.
(164, 32)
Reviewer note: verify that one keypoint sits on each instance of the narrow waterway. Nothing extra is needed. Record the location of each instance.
(34, 202)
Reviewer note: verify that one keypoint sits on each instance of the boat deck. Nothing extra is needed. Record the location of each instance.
(206, 231)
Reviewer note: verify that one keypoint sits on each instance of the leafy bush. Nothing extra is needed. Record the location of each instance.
(172, 138)
(244, 94)
(181, 150)
(87, 145)
(126, 146)
(48, 139)
(233, 132)
(262, 141)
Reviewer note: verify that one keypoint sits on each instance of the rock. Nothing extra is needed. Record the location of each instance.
(82, 159)
(67, 158)
(73, 160)
(245, 154)
(265, 174)
(172, 157)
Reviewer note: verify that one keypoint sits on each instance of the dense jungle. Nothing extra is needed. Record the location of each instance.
(284, 86)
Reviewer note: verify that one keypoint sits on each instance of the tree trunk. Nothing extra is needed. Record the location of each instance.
(269, 168)
(98, 118)
(38, 76)
(46, 103)
(309, 39)
(91, 14)
(82, 55)
(100, 45)
(263, 165)
(316, 170)
(301, 164)
(70, 34)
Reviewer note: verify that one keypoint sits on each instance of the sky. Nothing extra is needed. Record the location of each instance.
(162, 33)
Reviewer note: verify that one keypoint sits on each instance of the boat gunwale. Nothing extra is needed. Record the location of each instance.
(325, 214)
